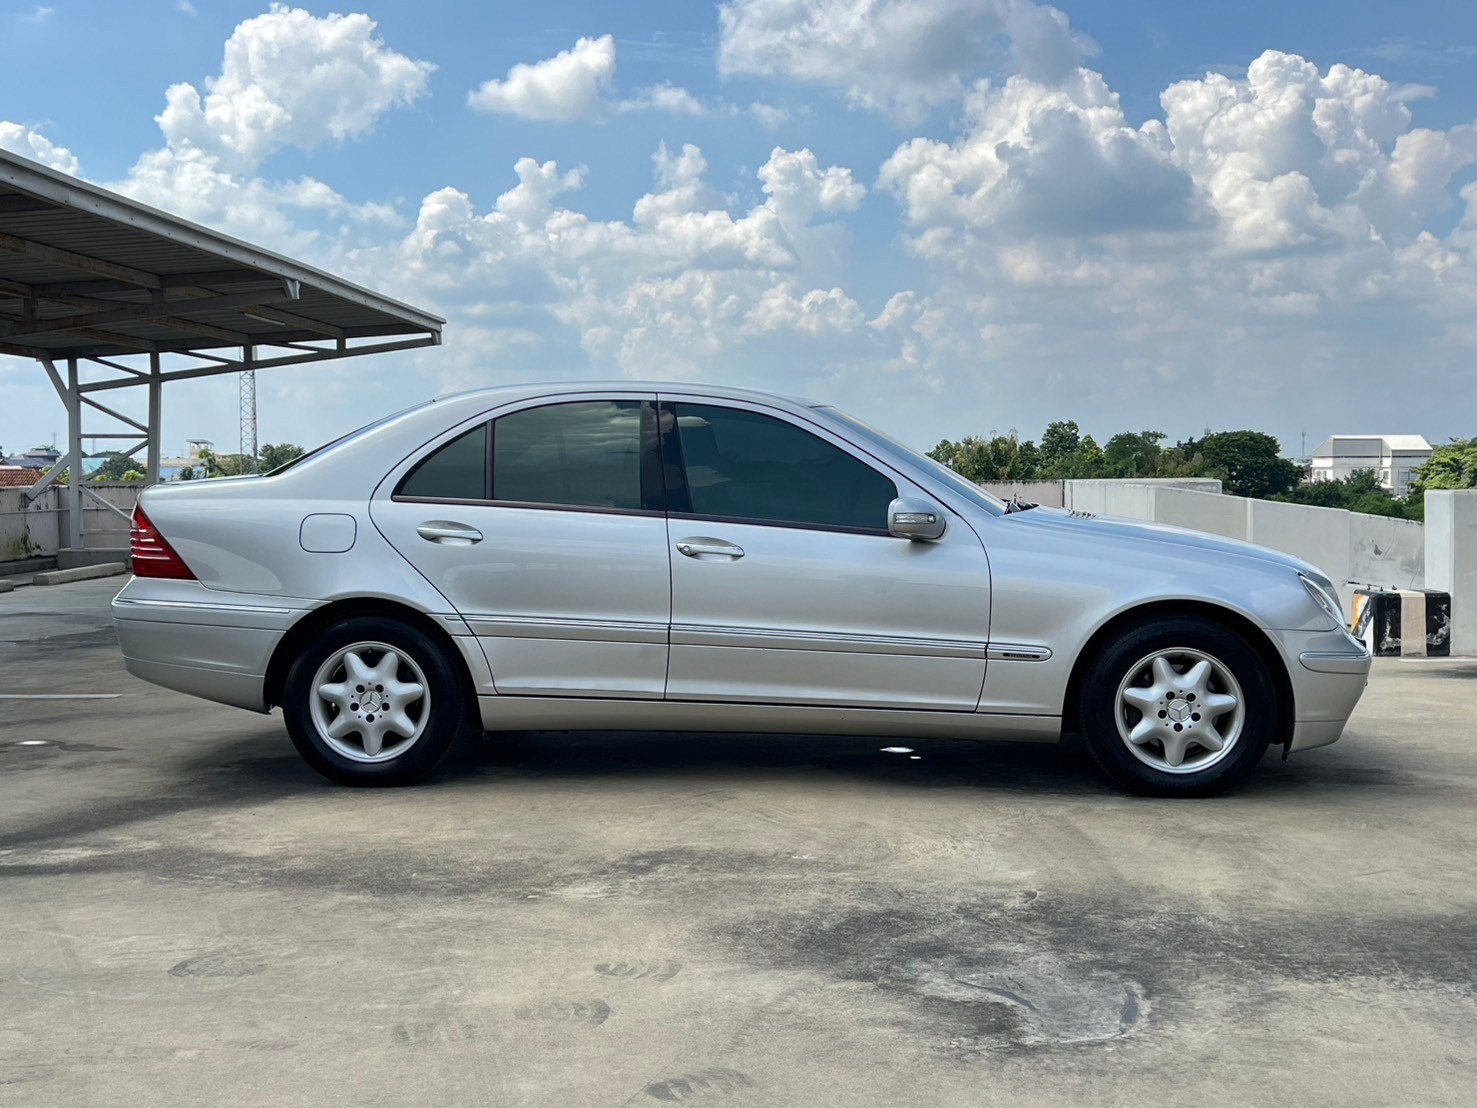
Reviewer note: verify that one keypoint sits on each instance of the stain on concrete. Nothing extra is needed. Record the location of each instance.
(1074, 970)
(656, 972)
(220, 964)
(698, 1086)
(591, 1013)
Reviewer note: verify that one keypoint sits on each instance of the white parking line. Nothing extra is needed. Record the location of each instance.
(60, 696)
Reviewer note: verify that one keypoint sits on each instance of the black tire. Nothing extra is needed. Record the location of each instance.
(1098, 707)
(446, 715)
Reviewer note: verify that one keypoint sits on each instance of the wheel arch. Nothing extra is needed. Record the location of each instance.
(1232, 620)
(302, 632)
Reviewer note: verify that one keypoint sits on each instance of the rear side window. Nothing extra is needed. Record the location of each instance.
(743, 465)
(458, 471)
(584, 454)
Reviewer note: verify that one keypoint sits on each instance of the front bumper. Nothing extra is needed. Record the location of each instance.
(1329, 671)
(184, 636)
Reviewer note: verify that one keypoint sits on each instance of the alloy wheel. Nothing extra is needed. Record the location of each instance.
(1180, 710)
(370, 702)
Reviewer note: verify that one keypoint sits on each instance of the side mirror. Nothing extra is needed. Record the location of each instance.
(911, 518)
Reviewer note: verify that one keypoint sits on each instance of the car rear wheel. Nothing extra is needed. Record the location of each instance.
(373, 701)
(1178, 707)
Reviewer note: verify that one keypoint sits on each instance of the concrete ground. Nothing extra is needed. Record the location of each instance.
(189, 915)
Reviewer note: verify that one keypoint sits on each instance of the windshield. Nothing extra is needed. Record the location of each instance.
(889, 445)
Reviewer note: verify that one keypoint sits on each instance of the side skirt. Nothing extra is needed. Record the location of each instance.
(546, 713)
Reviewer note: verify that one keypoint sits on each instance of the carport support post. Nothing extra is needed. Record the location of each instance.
(74, 447)
(151, 466)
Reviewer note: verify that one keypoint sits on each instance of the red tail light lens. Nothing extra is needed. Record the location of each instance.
(152, 554)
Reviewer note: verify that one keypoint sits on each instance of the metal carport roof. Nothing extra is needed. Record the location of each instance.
(128, 296)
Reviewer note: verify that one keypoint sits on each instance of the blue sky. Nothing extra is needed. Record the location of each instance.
(950, 216)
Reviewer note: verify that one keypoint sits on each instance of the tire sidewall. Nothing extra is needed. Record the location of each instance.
(447, 711)
(1098, 706)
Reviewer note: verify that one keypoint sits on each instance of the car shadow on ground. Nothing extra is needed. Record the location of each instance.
(260, 766)
(268, 765)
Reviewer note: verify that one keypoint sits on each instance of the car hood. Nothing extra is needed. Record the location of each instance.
(1138, 533)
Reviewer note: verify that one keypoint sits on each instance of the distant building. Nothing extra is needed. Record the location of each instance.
(38, 458)
(1391, 457)
(18, 477)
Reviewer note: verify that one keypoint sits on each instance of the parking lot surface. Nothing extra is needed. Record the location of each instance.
(190, 915)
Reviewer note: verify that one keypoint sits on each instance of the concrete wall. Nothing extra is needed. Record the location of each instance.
(105, 529)
(1388, 550)
(1201, 511)
(41, 528)
(1352, 549)
(1048, 493)
(1055, 494)
(1451, 560)
(27, 530)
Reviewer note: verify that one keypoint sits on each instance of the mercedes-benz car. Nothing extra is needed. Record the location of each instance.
(691, 559)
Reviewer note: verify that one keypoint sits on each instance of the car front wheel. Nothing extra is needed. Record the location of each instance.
(1178, 707)
(373, 701)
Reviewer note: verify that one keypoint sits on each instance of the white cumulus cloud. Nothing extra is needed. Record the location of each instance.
(570, 86)
(898, 56)
(1270, 233)
(36, 146)
(578, 86)
(289, 78)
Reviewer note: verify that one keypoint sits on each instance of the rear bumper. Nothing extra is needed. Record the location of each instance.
(239, 690)
(184, 636)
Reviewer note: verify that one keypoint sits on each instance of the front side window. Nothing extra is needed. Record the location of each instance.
(457, 471)
(743, 465)
(583, 454)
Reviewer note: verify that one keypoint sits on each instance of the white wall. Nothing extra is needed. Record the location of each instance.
(1201, 511)
(1388, 551)
(1352, 549)
(39, 529)
(1451, 560)
(26, 529)
(1048, 493)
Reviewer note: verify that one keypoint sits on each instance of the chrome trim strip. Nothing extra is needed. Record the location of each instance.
(1017, 652)
(542, 627)
(763, 638)
(753, 638)
(535, 713)
(1328, 661)
(198, 606)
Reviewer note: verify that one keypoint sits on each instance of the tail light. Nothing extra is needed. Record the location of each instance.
(152, 554)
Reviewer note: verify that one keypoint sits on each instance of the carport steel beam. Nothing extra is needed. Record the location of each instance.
(209, 275)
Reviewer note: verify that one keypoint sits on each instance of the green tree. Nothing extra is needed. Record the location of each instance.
(275, 455)
(998, 458)
(187, 474)
(1133, 454)
(1066, 453)
(1452, 466)
(1359, 492)
(1249, 463)
(210, 463)
(222, 465)
(117, 467)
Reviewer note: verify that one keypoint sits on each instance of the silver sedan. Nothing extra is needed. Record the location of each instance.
(693, 559)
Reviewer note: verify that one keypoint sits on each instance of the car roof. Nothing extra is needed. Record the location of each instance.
(545, 388)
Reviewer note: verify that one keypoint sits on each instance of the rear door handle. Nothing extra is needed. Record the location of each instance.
(451, 534)
(701, 544)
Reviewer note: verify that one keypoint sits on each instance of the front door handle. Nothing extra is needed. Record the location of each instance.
(451, 534)
(701, 544)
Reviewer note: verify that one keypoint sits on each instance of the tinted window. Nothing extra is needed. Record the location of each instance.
(458, 471)
(586, 454)
(749, 466)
